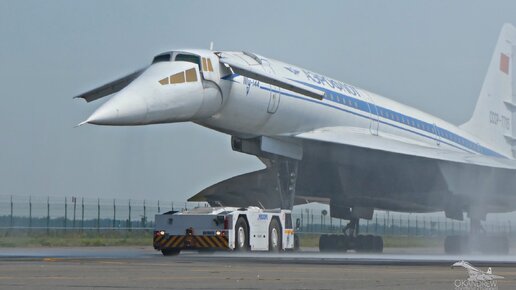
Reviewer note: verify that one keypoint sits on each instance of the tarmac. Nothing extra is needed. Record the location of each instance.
(144, 268)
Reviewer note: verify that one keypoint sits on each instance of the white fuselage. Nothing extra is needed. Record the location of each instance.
(252, 108)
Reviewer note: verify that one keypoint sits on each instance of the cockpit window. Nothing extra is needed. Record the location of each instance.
(177, 78)
(189, 58)
(191, 75)
(161, 57)
(181, 77)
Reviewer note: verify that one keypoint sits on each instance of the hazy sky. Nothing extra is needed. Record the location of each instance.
(429, 54)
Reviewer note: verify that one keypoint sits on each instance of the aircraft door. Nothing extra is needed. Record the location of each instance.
(437, 135)
(274, 91)
(373, 113)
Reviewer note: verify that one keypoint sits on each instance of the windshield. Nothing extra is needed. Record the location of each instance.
(189, 58)
(161, 57)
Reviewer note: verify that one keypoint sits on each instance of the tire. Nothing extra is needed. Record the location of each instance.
(275, 242)
(297, 243)
(170, 252)
(343, 243)
(323, 243)
(364, 243)
(377, 244)
(241, 235)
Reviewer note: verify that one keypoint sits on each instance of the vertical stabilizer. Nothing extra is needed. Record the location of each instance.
(494, 119)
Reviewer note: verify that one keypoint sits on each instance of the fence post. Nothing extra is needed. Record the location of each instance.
(384, 224)
(114, 213)
(312, 225)
(74, 199)
(144, 223)
(65, 213)
(30, 213)
(98, 215)
(408, 225)
(82, 214)
(129, 223)
(400, 230)
(11, 218)
(48, 214)
(417, 230)
(376, 225)
(393, 225)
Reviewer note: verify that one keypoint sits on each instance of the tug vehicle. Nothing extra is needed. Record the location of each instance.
(224, 228)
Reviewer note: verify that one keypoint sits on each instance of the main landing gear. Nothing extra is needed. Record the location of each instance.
(477, 241)
(350, 240)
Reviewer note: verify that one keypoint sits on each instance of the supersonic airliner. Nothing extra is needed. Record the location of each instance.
(325, 140)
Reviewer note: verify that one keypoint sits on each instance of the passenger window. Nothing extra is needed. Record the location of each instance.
(177, 78)
(191, 75)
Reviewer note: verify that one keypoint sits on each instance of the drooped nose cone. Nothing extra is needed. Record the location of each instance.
(125, 108)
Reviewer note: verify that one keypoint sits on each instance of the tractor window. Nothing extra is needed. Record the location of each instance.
(189, 58)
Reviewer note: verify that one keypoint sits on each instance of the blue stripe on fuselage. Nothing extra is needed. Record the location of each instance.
(438, 134)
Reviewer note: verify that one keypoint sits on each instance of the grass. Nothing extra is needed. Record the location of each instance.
(93, 238)
(76, 239)
(310, 240)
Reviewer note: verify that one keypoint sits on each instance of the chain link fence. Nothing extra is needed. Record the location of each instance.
(48, 214)
(79, 213)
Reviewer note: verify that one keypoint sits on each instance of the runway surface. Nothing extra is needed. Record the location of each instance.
(144, 268)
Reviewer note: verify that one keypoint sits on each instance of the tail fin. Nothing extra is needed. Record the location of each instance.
(489, 271)
(492, 120)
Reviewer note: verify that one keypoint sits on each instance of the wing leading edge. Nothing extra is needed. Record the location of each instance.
(362, 138)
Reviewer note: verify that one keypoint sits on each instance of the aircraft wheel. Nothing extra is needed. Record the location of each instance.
(343, 243)
(377, 244)
(363, 243)
(324, 243)
(274, 236)
(241, 235)
(297, 243)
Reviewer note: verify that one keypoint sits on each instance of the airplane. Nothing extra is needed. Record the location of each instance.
(325, 140)
(476, 274)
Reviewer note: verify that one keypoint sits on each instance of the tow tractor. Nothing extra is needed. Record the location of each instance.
(224, 228)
